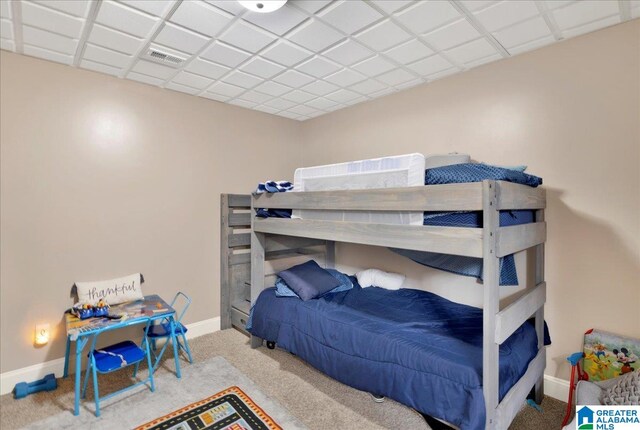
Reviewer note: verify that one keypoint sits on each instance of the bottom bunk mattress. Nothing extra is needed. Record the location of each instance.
(409, 345)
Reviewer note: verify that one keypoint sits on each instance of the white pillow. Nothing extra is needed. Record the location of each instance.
(379, 278)
(113, 291)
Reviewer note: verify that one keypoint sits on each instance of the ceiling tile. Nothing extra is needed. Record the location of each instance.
(44, 39)
(350, 16)
(191, 80)
(315, 35)
(357, 100)
(125, 19)
(153, 7)
(247, 36)
(522, 33)
(243, 103)
(47, 54)
(152, 69)
(6, 29)
(267, 109)
(224, 54)
(144, 78)
(431, 65)
(484, 60)
(409, 52)
(181, 88)
(555, 4)
(367, 87)
(278, 22)
(77, 8)
(180, 38)
(442, 73)
(475, 5)
(272, 88)
(342, 96)
(289, 115)
(506, 13)
(206, 68)
(592, 26)
(531, 45)
(255, 97)
(99, 67)
(583, 12)
(286, 53)
(312, 6)
(214, 96)
(345, 77)
(114, 39)
(426, 16)
(261, 67)
(374, 66)
(294, 79)
(471, 51)
(233, 7)
(280, 104)
(298, 96)
(224, 89)
(320, 103)
(453, 34)
(384, 92)
(51, 20)
(106, 56)
(7, 45)
(383, 36)
(390, 6)
(320, 88)
(302, 110)
(409, 84)
(395, 77)
(348, 53)
(241, 79)
(5, 9)
(318, 67)
(201, 17)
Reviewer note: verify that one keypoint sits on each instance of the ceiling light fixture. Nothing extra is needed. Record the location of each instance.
(264, 6)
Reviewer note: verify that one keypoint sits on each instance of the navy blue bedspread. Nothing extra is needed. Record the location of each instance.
(412, 346)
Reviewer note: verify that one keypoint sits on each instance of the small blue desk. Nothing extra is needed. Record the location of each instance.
(151, 307)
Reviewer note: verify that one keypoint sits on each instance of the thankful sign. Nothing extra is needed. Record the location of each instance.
(113, 291)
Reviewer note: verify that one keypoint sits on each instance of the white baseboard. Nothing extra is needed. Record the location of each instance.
(8, 380)
(556, 388)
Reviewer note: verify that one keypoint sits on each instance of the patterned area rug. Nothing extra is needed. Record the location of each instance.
(230, 409)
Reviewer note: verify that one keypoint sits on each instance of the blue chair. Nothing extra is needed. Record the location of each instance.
(163, 331)
(115, 357)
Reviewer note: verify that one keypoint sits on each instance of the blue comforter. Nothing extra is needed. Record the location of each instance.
(412, 346)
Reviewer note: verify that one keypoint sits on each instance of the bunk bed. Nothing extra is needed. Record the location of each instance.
(501, 402)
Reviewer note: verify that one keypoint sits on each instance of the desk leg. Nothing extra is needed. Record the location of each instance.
(80, 343)
(66, 358)
(174, 341)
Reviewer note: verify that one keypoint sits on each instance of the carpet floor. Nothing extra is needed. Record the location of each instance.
(318, 401)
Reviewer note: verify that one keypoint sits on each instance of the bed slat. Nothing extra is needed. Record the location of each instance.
(239, 200)
(239, 239)
(516, 396)
(520, 237)
(516, 196)
(514, 315)
(237, 220)
(446, 197)
(444, 240)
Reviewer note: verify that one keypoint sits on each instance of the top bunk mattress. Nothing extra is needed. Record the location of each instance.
(410, 345)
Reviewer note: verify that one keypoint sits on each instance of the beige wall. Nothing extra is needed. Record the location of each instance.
(571, 112)
(103, 177)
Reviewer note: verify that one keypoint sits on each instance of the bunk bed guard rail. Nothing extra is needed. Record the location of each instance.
(489, 243)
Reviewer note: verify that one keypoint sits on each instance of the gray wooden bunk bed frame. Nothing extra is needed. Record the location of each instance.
(489, 243)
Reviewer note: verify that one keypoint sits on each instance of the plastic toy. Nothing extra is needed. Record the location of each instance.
(23, 389)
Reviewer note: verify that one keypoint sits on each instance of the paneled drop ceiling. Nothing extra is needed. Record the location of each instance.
(306, 59)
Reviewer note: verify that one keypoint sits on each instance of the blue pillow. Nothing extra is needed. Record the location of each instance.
(282, 290)
(308, 280)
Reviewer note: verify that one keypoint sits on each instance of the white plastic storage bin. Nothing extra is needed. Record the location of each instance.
(386, 172)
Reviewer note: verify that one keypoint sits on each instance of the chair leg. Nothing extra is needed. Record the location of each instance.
(96, 393)
(150, 365)
(186, 347)
(86, 379)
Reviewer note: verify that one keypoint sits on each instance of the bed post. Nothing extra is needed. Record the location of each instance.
(330, 254)
(539, 272)
(491, 280)
(257, 268)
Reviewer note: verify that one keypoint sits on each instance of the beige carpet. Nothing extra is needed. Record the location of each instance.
(316, 400)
